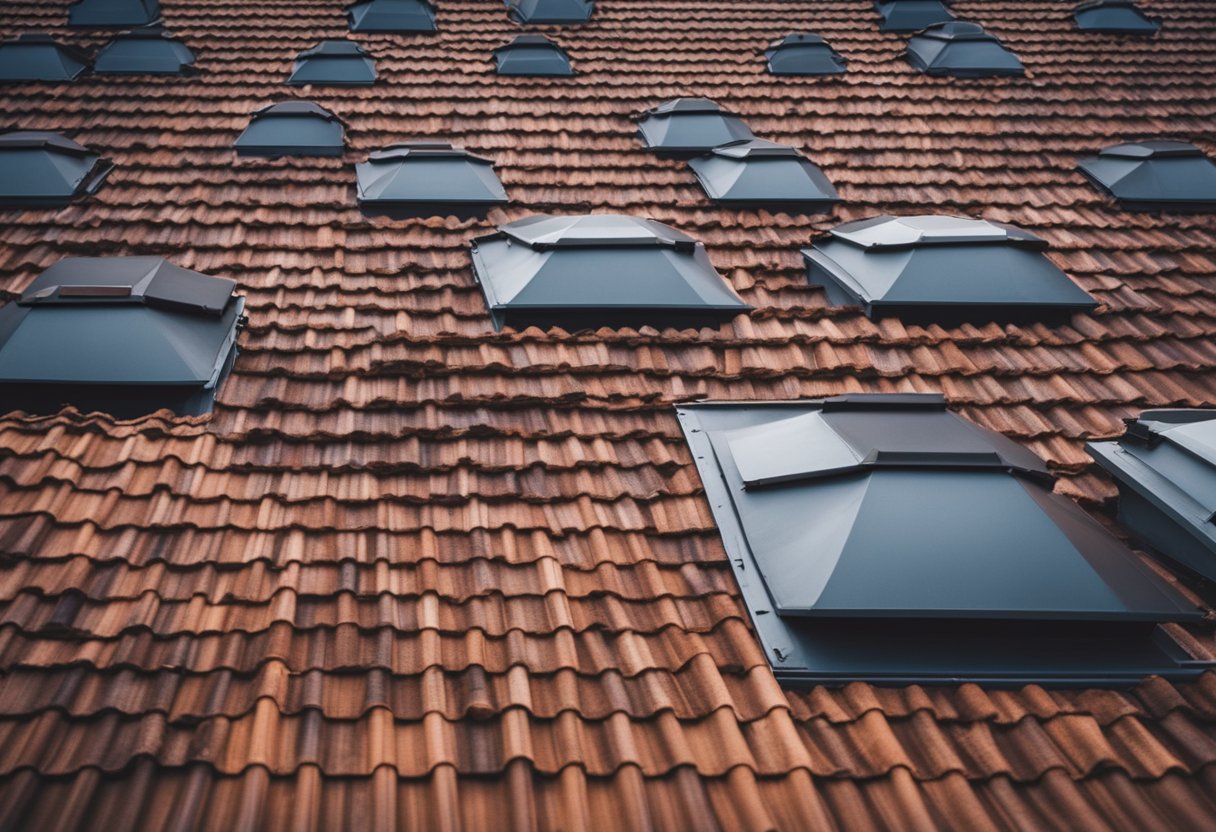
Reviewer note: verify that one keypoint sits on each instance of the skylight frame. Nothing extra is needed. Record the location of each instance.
(248, 144)
(334, 51)
(89, 182)
(556, 59)
(65, 53)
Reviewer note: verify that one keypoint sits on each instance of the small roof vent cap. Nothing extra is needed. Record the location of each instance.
(803, 53)
(334, 62)
(1120, 17)
(113, 14)
(392, 16)
(1158, 175)
(36, 56)
(41, 169)
(150, 50)
(911, 15)
(427, 178)
(759, 173)
(961, 49)
(557, 12)
(689, 127)
(292, 128)
(533, 55)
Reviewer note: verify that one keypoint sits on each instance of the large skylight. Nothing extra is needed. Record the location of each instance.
(36, 56)
(1155, 176)
(44, 169)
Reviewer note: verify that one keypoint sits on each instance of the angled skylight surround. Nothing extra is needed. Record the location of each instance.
(803, 53)
(1122, 17)
(944, 270)
(41, 169)
(392, 16)
(1155, 176)
(689, 127)
(599, 270)
(292, 128)
(759, 173)
(36, 56)
(911, 15)
(125, 335)
(559, 12)
(428, 179)
(147, 51)
(113, 14)
(882, 538)
(963, 50)
(532, 55)
(334, 63)
(1165, 467)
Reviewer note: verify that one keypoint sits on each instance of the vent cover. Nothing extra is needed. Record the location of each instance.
(943, 270)
(47, 170)
(567, 12)
(292, 128)
(689, 127)
(147, 51)
(126, 335)
(803, 53)
(1165, 467)
(855, 520)
(759, 173)
(1120, 17)
(532, 55)
(1155, 176)
(113, 14)
(392, 16)
(599, 270)
(335, 63)
(963, 50)
(911, 15)
(36, 56)
(427, 179)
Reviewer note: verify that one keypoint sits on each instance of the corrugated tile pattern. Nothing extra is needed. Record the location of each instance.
(416, 574)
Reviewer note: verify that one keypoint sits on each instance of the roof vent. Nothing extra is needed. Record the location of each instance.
(599, 270)
(125, 335)
(1120, 17)
(1155, 176)
(689, 127)
(532, 55)
(336, 63)
(392, 16)
(911, 15)
(855, 520)
(1165, 467)
(963, 50)
(427, 179)
(292, 128)
(147, 51)
(36, 56)
(803, 53)
(567, 12)
(943, 270)
(47, 170)
(754, 172)
(113, 14)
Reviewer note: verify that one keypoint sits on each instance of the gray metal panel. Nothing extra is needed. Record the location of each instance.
(335, 62)
(961, 49)
(532, 55)
(1114, 16)
(1154, 175)
(733, 175)
(911, 15)
(595, 230)
(803, 53)
(434, 174)
(690, 125)
(38, 168)
(392, 16)
(550, 11)
(292, 128)
(108, 14)
(36, 56)
(150, 52)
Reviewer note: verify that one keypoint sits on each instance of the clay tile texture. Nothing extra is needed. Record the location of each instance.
(413, 573)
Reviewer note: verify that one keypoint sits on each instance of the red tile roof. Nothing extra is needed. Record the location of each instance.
(412, 572)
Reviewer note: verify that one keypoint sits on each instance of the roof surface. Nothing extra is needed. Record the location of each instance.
(412, 569)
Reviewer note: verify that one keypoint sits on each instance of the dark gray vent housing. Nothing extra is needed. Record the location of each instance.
(392, 16)
(1155, 176)
(427, 179)
(881, 538)
(689, 127)
(963, 50)
(292, 128)
(942, 269)
(113, 14)
(147, 51)
(558, 12)
(40, 169)
(532, 55)
(1165, 467)
(122, 335)
(36, 56)
(340, 63)
(763, 174)
(596, 270)
(1121, 17)
(803, 53)
(911, 15)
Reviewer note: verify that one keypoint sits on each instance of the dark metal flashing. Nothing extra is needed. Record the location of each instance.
(532, 55)
(47, 170)
(963, 50)
(1158, 175)
(685, 127)
(555, 12)
(113, 14)
(399, 16)
(1121, 17)
(36, 56)
(292, 128)
(911, 15)
(334, 63)
(147, 51)
(804, 53)
(758, 173)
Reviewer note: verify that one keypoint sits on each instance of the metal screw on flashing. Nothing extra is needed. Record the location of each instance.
(780, 654)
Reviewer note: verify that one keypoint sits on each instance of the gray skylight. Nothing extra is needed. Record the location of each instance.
(842, 513)
(942, 269)
(911, 15)
(113, 14)
(392, 16)
(561, 12)
(689, 127)
(43, 169)
(125, 335)
(803, 53)
(599, 270)
(963, 50)
(147, 51)
(1155, 176)
(36, 56)
(759, 173)
(428, 179)
(292, 128)
(532, 55)
(334, 63)
(1121, 17)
